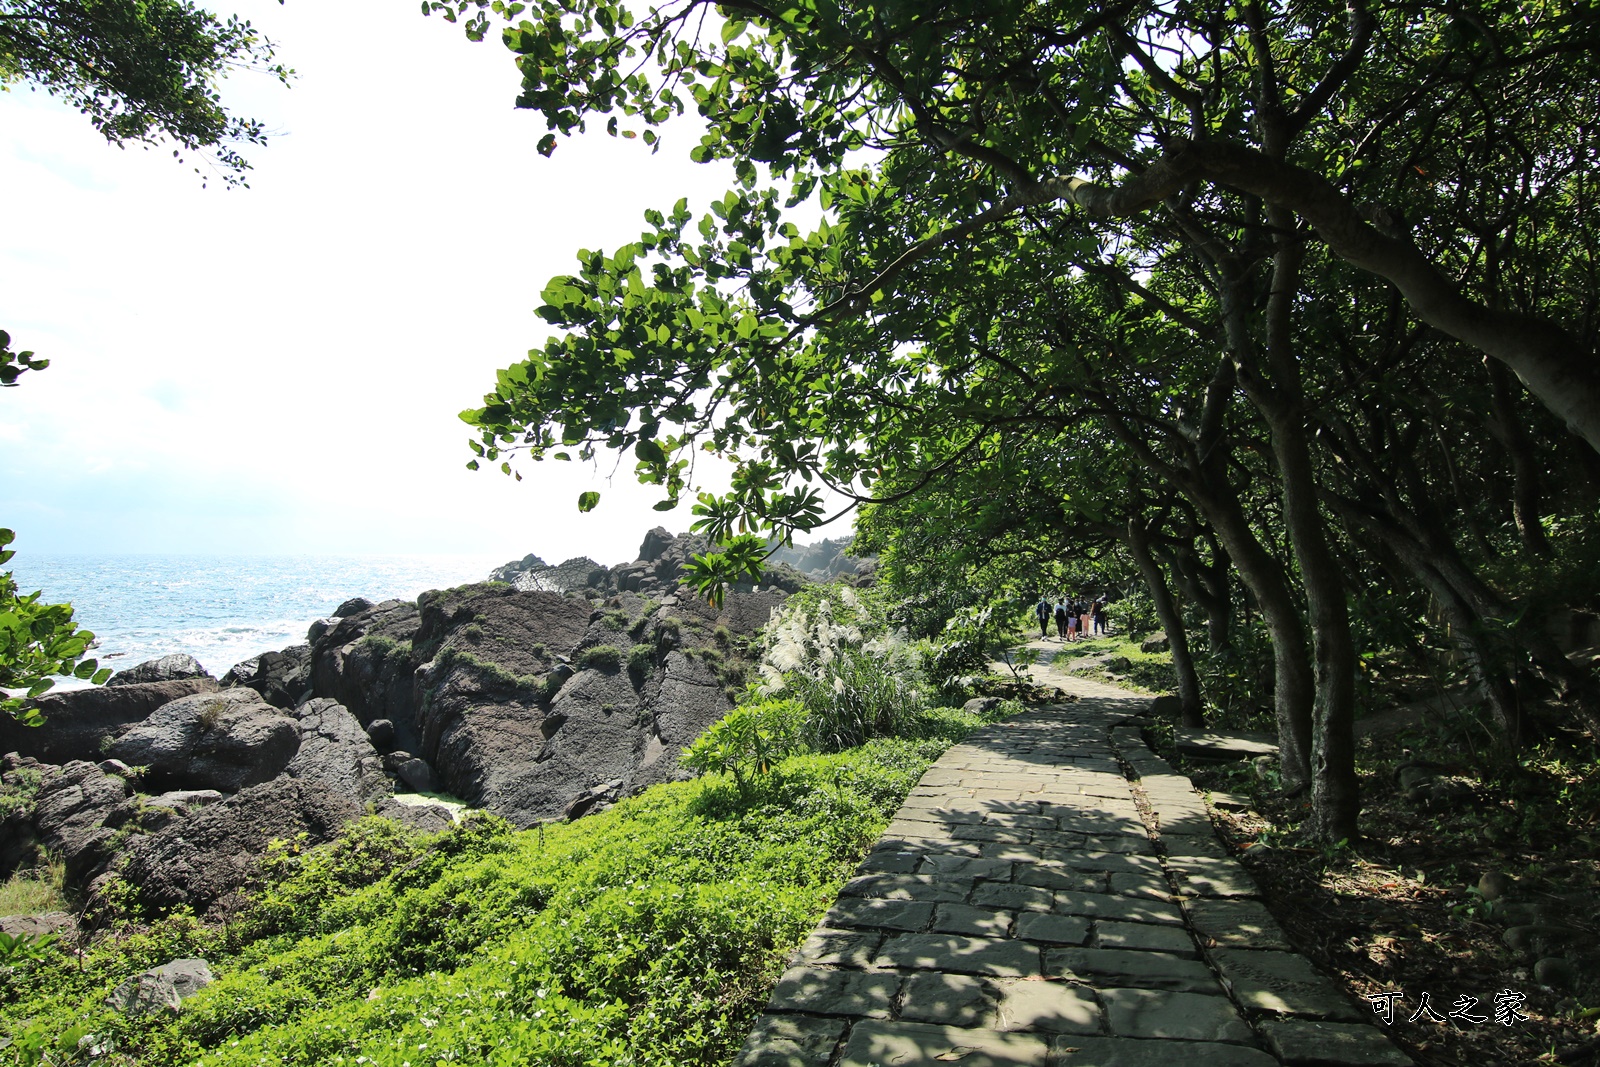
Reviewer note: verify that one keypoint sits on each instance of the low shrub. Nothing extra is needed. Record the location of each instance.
(854, 700)
(641, 661)
(749, 741)
(600, 658)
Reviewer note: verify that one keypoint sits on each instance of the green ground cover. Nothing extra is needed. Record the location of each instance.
(1145, 672)
(647, 934)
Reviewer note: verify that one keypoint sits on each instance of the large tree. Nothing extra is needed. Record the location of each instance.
(978, 163)
(1393, 131)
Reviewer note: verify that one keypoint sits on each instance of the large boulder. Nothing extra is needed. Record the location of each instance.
(577, 575)
(70, 813)
(655, 543)
(594, 732)
(226, 740)
(78, 721)
(673, 558)
(20, 779)
(520, 633)
(365, 661)
(282, 678)
(532, 575)
(336, 753)
(216, 850)
(175, 667)
(688, 700)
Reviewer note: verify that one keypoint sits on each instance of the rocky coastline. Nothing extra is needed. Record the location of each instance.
(546, 692)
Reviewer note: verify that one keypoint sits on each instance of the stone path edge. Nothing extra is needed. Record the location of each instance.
(1053, 893)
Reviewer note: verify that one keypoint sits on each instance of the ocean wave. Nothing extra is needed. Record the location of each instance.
(222, 610)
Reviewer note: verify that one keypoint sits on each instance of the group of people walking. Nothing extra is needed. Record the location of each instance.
(1075, 617)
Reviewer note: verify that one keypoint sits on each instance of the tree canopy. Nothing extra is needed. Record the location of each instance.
(141, 70)
(1293, 260)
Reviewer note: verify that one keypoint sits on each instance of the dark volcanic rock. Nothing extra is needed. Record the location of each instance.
(576, 575)
(381, 732)
(531, 574)
(600, 738)
(19, 838)
(482, 698)
(689, 700)
(76, 722)
(282, 678)
(336, 753)
(529, 762)
(509, 572)
(70, 813)
(655, 543)
(521, 633)
(186, 799)
(59, 923)
(215, 850)
(416, 774)
(225, 740)
(825, 559)
(161, 989)
(165, 669)
(365, 661)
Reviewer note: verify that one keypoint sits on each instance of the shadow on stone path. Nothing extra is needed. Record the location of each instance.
(1021, 910)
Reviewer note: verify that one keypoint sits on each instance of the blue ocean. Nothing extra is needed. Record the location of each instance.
(223, 609)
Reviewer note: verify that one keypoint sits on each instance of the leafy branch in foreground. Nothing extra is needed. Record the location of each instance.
(13, 364)
(141, 70)
(37, 641)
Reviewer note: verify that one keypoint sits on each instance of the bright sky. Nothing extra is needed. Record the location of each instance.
(278, 369)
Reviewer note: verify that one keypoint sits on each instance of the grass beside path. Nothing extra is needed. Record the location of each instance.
(649, 934)
(1115, 659)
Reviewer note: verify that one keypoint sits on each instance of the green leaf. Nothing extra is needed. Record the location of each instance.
(588, 500)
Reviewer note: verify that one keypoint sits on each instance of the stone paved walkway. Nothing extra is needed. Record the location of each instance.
(1021, 910)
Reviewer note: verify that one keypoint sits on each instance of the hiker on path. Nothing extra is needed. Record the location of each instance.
(1099, 613)
(1061, 618)
(1042, 610)
(1072, 618)
(1083, 609)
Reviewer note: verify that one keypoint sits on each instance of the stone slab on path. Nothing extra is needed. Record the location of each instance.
(1021, 909)
(1223, 745)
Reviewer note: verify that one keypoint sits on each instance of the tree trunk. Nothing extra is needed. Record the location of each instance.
(1203, 480)
(1335, 791)
(1207, 585)
(1138, 541)
(1512, 435)
(1294, 689)
(1399, 550)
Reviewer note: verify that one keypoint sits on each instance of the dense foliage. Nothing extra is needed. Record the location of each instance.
(1246, 293)
(141, 70)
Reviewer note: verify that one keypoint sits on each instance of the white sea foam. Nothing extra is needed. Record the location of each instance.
(223, 609)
